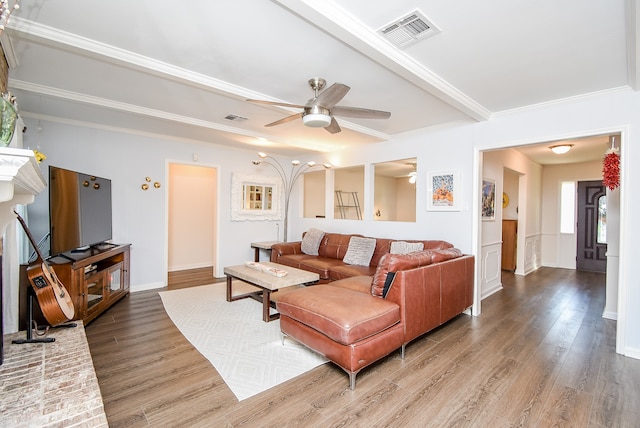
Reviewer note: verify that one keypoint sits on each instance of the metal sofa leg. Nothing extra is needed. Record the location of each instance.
(352, 381)
(402, 350)
(284, 336)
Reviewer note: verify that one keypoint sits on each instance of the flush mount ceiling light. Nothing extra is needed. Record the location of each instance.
(561, 148)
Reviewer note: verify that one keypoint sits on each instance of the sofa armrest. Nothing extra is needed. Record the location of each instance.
(284, 248)
(417, 292)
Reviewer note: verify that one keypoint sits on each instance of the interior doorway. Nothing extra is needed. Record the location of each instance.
(192, 218)
(616, 289)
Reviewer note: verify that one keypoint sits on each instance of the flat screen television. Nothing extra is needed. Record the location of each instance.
(79, 210)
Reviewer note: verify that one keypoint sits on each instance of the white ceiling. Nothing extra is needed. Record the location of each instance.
(176, 69)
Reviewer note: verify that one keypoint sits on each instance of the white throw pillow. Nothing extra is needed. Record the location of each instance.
(360, 251)
(402, 247)
(311, 241)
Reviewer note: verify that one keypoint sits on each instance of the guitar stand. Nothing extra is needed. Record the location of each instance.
(31, 324)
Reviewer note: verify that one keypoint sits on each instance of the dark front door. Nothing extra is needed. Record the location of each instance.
(592, 227)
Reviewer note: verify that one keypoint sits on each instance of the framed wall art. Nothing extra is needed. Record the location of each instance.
(443, 191)
(255, 198)
(488, 199)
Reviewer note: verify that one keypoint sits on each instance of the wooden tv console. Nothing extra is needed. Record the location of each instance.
(96, 279)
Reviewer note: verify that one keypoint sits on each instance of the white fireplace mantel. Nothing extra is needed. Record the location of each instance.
(20, 181)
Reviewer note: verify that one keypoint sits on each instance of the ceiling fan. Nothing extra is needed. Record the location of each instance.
(318, 112)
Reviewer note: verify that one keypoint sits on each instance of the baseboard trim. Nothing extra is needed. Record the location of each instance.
(147, 286)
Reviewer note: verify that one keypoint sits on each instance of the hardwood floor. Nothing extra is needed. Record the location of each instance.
(539, 355)
(191, 277)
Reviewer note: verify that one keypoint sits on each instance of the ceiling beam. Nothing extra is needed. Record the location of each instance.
(334, 20)
(100, 51)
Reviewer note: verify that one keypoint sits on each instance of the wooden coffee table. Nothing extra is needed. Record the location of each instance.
(267, 284)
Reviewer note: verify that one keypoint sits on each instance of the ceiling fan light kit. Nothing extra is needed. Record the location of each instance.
(317, 111)
(316, 120)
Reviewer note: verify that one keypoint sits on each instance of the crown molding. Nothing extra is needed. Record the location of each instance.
(559, 101)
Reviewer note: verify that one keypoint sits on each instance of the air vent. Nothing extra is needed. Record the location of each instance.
(409, 29)
(235, 117)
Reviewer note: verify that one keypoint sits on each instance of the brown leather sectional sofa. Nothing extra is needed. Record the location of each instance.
(333, 247)
(359, 314)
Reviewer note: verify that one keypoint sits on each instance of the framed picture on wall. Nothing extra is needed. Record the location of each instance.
(488, 199)
(443, 191)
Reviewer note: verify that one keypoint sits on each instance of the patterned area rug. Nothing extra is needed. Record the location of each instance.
(247, 352)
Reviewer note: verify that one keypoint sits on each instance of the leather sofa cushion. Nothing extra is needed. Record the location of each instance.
(294, 260)
(356, 283)
(346, 271)
(334, 245)
(345, 316)
(320, 265)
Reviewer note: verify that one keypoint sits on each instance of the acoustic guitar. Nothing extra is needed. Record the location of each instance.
(55, 302)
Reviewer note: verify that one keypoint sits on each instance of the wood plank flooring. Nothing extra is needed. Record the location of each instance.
(539, 355)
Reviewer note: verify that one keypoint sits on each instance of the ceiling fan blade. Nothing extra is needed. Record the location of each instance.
(273, 103)
(285, 120)
(333, 127)
(364, 113)
(332, 95)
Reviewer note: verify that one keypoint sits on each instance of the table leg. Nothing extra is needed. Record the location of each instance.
(256, 256)
(266, 305)
(229, 293)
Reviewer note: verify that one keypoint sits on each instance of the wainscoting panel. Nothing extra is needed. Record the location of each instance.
(491, 261)
(532, 253)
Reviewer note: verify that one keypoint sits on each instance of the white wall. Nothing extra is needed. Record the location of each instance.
(511, 186)
(405, 200)
(384, 199)
(395, 198)
(314, 191)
